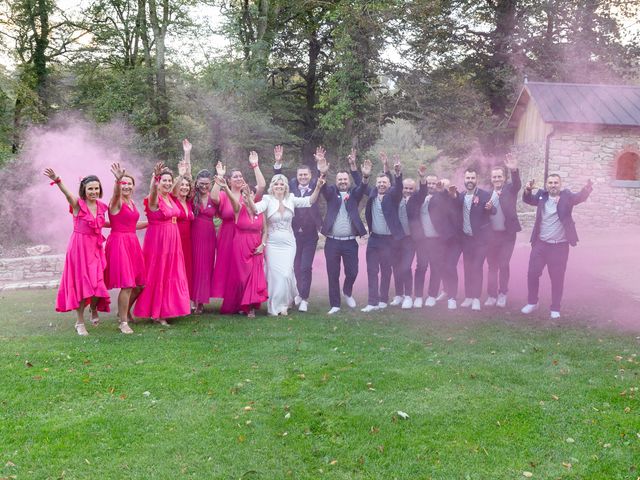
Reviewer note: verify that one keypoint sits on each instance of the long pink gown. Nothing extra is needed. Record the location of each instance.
(84, 263)
(226, 249)
(125, 264)
(184, 225)
(203, 248)
(166, 293)
(246, 287)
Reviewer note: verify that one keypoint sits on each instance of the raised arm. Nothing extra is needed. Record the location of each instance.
(527, 194)
(261, 183)
(183, 172)
(153, 187)
(512, 165)
(114, 203)
(396, 188)
(221, 171)
(278, 153)
(56, 180)
(221, 183)
(583, 194)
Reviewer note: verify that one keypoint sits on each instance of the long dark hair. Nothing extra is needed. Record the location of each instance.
(196, 197)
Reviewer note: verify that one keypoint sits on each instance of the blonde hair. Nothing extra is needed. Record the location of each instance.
(277, 178)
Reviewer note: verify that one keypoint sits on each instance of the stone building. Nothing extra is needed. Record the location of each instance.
(583, 132)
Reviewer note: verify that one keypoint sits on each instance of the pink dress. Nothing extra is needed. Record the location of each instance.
(184, 225)
(203, 248)
(226, 249)
(166, 293)
(83, 274)
(125, 264)
(246, 286)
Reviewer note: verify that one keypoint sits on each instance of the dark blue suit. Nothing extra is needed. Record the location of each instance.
(305, 225)
(430, 251)
(552, 255)
(501, 243)
(379, 247)
(472, 247)
(342, 249)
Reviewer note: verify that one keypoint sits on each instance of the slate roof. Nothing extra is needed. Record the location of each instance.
(581, 103)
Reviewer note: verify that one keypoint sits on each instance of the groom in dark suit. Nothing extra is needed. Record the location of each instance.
(305, 225)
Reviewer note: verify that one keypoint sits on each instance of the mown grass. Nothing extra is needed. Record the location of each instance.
(312, 396)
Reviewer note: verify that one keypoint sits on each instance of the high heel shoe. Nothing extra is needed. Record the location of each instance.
(161, 321)
(125, 328)
(81, 329)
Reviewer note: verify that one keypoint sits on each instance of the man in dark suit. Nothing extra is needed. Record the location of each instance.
(305, 225)
(504, 227)
(342, 225)
(553, 233)
(431, 228)
(472, 209)
(384, 225)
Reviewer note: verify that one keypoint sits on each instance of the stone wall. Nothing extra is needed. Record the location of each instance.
(581, 154)
(40, 271)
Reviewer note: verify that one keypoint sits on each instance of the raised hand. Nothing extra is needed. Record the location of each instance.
(186, 146)
(443, 184)
(529, 185)
(158, 168)
(510, 161)
(221, 170)
(453, 190)
(277, 153)
(422, 171)
(397, 166)
(385, 162)
(320, 154)
(253, 158)
(366, 167)
(589, 185)
(351, 158)
(117, 171)
(50, 173)
(322, 165)
(321, 182)
(221, 181)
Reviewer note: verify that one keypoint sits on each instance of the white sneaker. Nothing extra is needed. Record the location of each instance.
(529, 308)
(554, 314)
(369, 308)
(441, 296)
(451, 304)
(397, 300)
(333, 310)
(502, 300)
(466, 303)
(297, 300)
(350, 301)
(490, 302)
(407, 302)
(475, 304)
(382, 305)
(430, 302)
(417, 303)
(304, 305)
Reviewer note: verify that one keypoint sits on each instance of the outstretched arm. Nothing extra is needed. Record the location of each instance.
(55, 179)
(583, 194)
(221, 170)
(261, 183)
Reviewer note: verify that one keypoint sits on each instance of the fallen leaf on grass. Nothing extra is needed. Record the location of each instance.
(555, 397)
(248, 408)
(403, 415)
(28, 364)
(333, 462)
(566, 465)
(570, 440)
(527, 474)
(606, 445)
(9, 464)
(627, 409)
(287, 415)
(374, 430)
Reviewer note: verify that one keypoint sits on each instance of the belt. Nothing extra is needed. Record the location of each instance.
(340, 238)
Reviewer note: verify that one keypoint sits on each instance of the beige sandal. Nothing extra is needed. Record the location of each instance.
(125, 328)
(81, 329)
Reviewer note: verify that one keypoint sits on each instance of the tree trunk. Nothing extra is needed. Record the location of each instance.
(309, 115)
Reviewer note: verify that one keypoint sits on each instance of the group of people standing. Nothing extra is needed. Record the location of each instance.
(264, 248)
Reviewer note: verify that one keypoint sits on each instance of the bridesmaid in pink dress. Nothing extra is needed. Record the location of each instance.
(166, 293)
(82, 281)
(227, 249)
(182, 194)
(203, 241)
(125, 265)
(247, 285)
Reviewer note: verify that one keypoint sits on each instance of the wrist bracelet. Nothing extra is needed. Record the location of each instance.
(56, 181)
(254, 166)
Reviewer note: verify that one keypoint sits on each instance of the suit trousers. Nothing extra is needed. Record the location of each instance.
(303, 262)
(554, 256)
(430, 255)
(336, 251)
(379, 254)
(403, 252)
(499, 253)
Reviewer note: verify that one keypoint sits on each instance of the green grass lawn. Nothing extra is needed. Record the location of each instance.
(312, 396)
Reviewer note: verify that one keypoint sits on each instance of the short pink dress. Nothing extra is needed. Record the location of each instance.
(84, 263)
(166, 293)
(225, 249)
(184, 225)
(125, 264)
(203, 249)
(246, 287)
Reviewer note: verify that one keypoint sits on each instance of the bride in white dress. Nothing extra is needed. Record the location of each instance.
(280, 206)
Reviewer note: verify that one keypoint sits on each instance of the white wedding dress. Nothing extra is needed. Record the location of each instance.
(280, 251)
